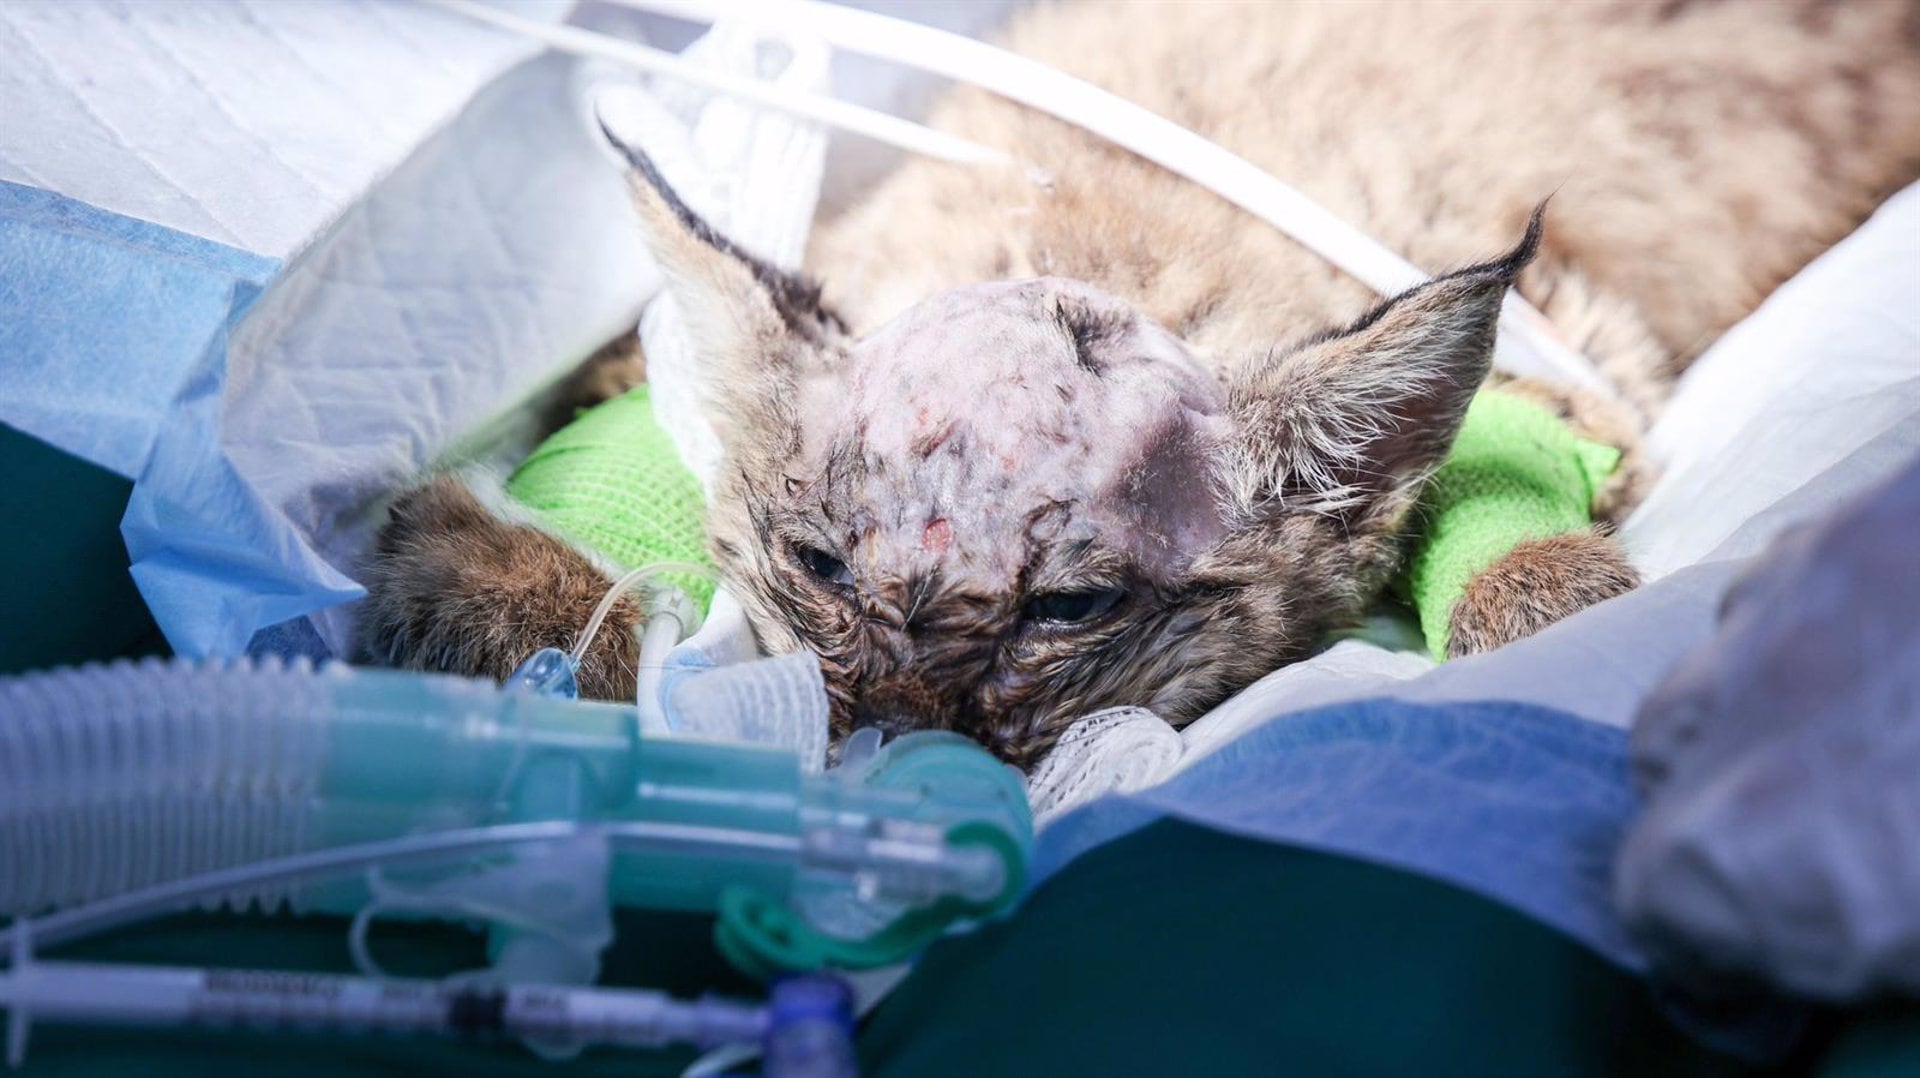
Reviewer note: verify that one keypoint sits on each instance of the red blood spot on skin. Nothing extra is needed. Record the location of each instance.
(937, 536)
(927, 442)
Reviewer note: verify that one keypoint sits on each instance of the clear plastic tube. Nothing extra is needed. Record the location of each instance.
(114, 777)
(621, 587)
(130, 791)
(664, 630)
(318, 865)
(668, 623)
(906, 871)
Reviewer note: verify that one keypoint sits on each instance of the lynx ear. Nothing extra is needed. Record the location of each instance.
(756, 326)
(1350, 422)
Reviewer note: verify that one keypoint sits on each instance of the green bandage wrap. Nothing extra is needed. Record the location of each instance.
(612, 481)
(1516, 473)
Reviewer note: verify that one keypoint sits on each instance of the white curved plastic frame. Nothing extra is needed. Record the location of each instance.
(880, 126)
(1528, 345)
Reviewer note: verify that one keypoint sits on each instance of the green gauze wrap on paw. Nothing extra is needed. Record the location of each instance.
(612, 481)
(1516, 473)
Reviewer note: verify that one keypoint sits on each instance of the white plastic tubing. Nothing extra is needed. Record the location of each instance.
(848, 117)
(1528, 346)
(113, 778)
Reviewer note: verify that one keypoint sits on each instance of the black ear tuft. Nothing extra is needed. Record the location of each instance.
(1508, 266)
(1503, 270)
(795, 296)
(642, 164)
(1354, 420)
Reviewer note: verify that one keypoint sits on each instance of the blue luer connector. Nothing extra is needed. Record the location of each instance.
(548, 672)
(810, 1028)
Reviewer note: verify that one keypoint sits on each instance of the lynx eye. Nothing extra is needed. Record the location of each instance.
(1071, 607)
(823, 565)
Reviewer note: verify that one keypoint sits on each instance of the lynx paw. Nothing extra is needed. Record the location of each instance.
(453, 588)
(1536, 584)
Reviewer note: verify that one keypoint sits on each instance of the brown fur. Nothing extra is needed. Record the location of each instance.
(453, 588)
(1536, 584)
(610, 371)
(1697, 155)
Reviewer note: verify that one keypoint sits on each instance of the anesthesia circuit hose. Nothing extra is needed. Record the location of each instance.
(118, 779)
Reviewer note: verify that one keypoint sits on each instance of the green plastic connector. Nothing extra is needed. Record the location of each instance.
(764, 939)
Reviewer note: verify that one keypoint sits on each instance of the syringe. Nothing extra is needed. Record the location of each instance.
(102, 994)
(170, 996)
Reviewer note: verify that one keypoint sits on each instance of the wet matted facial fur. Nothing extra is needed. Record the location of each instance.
(1021, 501)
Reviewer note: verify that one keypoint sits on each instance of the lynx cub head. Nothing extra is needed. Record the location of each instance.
(1022, 501)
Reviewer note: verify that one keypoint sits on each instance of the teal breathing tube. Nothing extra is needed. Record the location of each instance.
(122, 781)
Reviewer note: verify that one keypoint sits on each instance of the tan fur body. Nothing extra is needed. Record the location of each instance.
(1697, 154)
(1161, 467)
